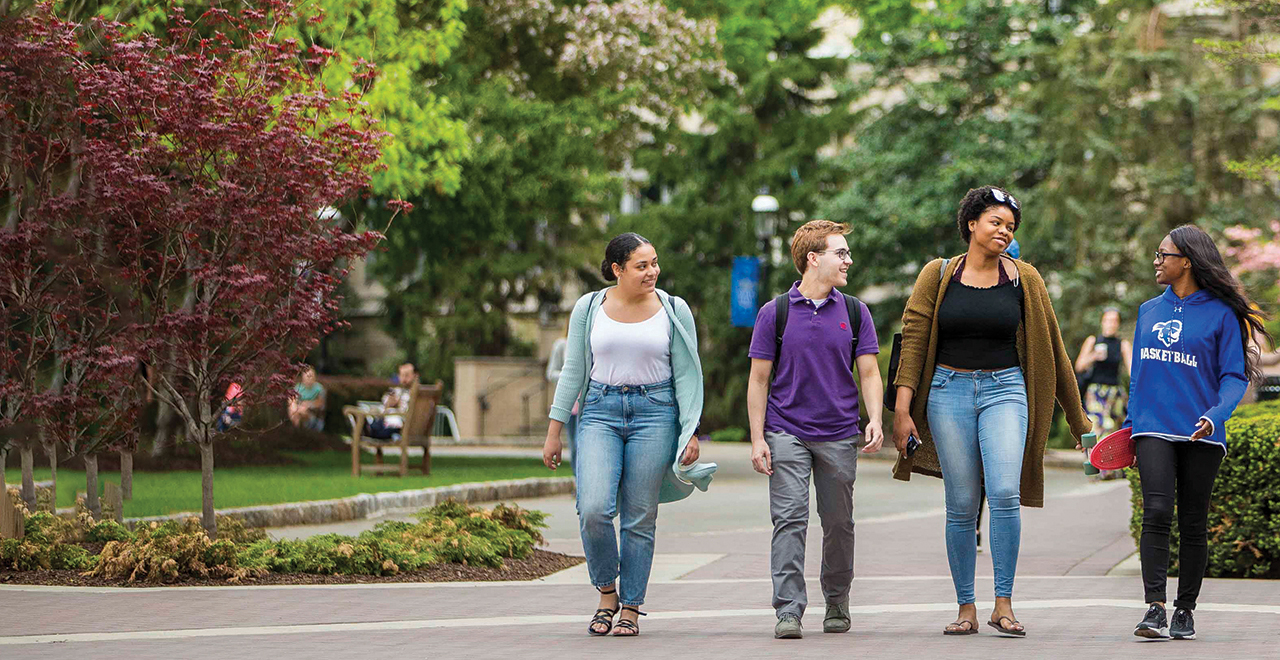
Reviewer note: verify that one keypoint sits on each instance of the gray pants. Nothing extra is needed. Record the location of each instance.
(834, 465)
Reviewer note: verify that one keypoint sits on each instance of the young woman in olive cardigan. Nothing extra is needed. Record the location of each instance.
(988, 366)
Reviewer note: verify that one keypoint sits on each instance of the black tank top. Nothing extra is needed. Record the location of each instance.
(1107, 371)
(978, 328)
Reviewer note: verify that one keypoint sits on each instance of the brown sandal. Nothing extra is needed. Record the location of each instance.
(966, 626)
(998, 624)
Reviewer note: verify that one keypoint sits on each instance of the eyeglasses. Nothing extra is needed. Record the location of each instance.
(841, 253)
(1160, 256)
(1003, 198)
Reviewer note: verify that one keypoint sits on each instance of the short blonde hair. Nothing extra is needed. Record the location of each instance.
(812, 237)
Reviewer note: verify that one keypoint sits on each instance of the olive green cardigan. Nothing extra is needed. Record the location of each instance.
(1047, 369)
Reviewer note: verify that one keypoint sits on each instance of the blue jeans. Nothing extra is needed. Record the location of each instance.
(625, 443)
(979, 425)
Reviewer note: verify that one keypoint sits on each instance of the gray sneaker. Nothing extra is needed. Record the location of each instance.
(788, 627)
(837, 618)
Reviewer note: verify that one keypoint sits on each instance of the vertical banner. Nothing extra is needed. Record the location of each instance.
(743, 291)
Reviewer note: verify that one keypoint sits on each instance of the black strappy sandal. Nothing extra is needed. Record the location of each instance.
(998, 624)
(632, 630)
(603, 616)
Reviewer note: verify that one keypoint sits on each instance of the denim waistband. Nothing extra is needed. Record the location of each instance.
(667, 384)
(952, 373)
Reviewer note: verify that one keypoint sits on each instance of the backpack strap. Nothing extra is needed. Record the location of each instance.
(782, 306)
(854, 306)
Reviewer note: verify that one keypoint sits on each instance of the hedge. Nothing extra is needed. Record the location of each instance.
(1244, 513)
(171, 551)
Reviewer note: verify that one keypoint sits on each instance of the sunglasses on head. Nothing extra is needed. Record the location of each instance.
(1002, 197)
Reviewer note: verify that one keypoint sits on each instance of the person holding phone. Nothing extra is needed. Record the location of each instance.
(804, 419)
(1196, 350)
(981, 365)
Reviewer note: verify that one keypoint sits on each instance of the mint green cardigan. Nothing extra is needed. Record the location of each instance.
(686, 370)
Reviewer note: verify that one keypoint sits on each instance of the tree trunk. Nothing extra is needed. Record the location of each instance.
(91, 486)
(164, 427)
(126, 475)
(206, 489)
(4, 463)
(28, 476)
(52, 452)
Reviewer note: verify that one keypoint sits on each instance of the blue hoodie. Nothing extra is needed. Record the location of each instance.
(1188, 365)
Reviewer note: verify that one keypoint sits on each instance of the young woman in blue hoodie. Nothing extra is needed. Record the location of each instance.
(1191, 366)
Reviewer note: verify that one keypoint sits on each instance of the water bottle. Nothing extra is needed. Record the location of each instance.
(1087, 441)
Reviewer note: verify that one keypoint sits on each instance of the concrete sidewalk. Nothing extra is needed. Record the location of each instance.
(708, 598)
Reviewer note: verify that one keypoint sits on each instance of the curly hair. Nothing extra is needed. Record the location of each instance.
(976, 202)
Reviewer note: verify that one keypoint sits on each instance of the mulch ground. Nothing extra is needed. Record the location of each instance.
(541, 564)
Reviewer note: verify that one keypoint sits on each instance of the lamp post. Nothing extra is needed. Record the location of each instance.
(765, 208)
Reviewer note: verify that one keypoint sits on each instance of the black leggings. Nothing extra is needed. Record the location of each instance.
(1192, 466)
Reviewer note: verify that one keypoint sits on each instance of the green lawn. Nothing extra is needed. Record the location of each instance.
(321, 476)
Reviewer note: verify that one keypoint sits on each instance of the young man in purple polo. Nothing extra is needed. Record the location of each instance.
(804, 419)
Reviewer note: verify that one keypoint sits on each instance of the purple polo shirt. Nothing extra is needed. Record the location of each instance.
(814, 394)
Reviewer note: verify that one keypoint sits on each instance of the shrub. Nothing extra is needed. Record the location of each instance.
(1244, 514)
(730, 434)
(165, 552)
(529, 522)
(48, 544)
(336, 554)
(107, 531)
(446, 533)
(170, 551)
(234, 530)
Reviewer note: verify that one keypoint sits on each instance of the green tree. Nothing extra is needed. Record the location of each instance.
(556, 97)
(768, 131)
(1254, 25)
(1153, 151)
(943, 109)
(407, 40)
(1099, 117)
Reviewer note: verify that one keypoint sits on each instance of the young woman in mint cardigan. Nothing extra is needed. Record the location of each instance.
(1191, 365)
(632, 365)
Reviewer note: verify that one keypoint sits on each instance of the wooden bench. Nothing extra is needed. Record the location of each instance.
(419, 416)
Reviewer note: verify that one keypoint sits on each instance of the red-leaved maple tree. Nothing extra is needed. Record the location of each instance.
(205, 156)
(38, 128)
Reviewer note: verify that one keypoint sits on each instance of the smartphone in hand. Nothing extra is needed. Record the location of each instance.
(912, 445)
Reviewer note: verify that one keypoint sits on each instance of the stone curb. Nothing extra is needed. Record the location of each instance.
(367, 505)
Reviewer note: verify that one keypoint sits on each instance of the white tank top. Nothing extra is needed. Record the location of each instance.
(631, 353)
